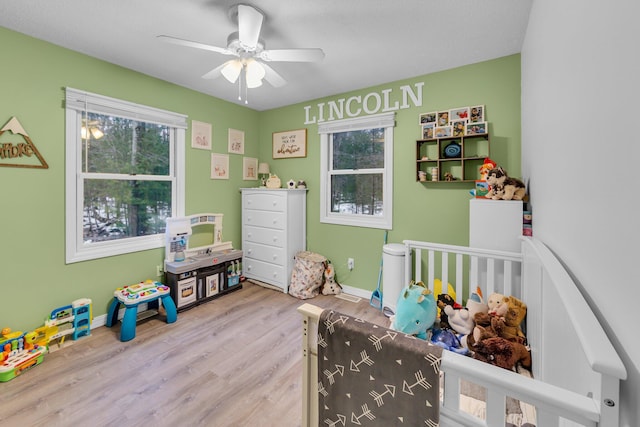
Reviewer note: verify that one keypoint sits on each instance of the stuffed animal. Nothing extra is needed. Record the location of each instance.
(330, 285)
(486, 167)
(443, 301)
(501, 352)
(507, 326)
(448, 340)
(415, 310)
(463, 321)
(503, 187)
(496, 304)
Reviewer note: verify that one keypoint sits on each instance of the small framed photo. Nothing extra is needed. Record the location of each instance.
(236, 141)
(288, 144)
(427, 118)
(458, 127)
(200, 135)
(443, 131)
(443, 118)
(427, 130)
(249, 169)
(477, 114)
(219, 166)
(459, 114)
(476, 128)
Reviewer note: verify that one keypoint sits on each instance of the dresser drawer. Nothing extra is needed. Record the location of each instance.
(265, 201)
(260, 252)
(266, 219)
(266, 236)
(264, 271)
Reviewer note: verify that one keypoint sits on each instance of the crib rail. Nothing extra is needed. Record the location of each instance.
(492, 271)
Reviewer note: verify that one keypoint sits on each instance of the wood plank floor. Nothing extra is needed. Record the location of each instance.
(234, 361)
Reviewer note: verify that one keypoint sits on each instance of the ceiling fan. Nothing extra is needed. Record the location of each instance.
(249, 51)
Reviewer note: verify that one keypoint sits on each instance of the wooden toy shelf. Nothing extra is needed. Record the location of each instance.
(465, 167)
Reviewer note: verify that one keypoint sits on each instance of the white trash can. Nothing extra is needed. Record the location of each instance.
(392, 275)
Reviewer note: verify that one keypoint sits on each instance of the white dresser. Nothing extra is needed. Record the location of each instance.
(273, 231)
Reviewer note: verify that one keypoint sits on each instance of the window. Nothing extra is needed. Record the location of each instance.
(356, 166)
(124, 175)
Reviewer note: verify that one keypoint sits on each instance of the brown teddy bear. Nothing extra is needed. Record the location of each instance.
(503, 353)
(507, 326)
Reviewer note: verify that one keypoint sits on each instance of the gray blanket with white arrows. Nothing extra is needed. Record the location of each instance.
(372, 376)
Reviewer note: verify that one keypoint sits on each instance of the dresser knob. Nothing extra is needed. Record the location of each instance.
(249, 251)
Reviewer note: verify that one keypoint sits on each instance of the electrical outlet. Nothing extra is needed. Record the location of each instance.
(159, 270)
(350, 263)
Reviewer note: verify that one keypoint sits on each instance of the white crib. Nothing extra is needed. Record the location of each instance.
(576, 370)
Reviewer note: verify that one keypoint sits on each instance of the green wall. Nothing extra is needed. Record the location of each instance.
(36, 279)
(432, 212)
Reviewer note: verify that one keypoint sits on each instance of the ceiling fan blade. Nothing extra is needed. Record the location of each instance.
(249, 25)
(272, 77)
(189, 43)
(216, 72)
(292, 55)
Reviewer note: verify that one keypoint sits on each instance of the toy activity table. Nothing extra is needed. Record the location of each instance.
(131, 297)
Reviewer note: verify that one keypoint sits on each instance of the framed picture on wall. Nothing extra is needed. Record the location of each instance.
(459, 114)
(476, 114)
(219, 166)
(200, 135)
(249, 169)
(427, 130)
(476, 128)
(442, 131)
(443, 118)
(458, 127)
(236, 141)
(290, 143)
(427, 118)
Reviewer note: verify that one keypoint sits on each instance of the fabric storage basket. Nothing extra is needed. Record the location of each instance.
(307, 274)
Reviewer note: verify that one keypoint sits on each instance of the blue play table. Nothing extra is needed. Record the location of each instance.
(133, 295)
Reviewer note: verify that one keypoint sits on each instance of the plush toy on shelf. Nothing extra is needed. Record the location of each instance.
(503, 187)
(486, 167)
(415, 311)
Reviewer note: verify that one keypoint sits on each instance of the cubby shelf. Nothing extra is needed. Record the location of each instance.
(430, 154)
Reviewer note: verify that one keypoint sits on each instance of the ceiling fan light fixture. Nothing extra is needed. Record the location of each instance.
(232, 70)
(255, 72)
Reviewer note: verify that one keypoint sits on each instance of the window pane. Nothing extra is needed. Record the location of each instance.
(357, 194)
(119, 145)
(362, 149)
(120, 209)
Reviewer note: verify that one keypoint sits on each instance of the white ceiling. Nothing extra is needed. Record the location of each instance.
(366, 42)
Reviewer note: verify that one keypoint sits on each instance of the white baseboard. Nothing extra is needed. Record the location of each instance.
(356, 291)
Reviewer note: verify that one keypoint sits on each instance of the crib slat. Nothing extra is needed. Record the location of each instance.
(418, 265)
(431, 273)
(491, 275)
(444, 273)
(474, 272)
(508, 278)
(496, 407)
(459, 277)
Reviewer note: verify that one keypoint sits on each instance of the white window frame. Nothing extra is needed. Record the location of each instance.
(77, 104)
(326, 130)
